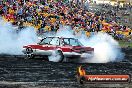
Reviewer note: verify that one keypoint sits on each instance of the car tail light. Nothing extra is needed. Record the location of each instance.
(89, 49)
(92, 49)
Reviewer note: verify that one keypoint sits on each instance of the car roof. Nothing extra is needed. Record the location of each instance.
(59, 37)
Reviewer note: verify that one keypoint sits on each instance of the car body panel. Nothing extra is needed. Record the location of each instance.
(46, 48)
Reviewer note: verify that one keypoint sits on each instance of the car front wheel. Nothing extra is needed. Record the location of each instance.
(57, 56)
(29, 54)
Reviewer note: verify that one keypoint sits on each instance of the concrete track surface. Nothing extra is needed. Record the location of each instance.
(17, 72)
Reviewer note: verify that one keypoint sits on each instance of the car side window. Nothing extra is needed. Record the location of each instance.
(55, 41)
(73, 42)
(66, 41)
(45, 41)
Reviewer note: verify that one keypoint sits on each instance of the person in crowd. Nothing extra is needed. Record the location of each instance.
(47, 15)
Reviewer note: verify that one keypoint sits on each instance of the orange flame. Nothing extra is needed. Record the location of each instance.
(81, 71)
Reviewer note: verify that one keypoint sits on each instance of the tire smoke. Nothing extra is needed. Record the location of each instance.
(106, 49)
(12, 42)
(55, 57)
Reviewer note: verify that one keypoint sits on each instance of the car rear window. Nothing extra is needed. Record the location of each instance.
(72, 42)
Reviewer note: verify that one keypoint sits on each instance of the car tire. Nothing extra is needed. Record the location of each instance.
(57, 56)
(61, 56)
(29, 54)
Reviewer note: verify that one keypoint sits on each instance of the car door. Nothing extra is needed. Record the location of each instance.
(65, 46)
(54, 44)
(44, 44)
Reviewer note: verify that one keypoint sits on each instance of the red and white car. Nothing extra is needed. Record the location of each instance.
(61, 47)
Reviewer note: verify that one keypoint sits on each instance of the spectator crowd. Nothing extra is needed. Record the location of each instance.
(48, 15)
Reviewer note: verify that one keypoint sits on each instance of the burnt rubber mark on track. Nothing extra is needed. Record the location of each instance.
(15, 72)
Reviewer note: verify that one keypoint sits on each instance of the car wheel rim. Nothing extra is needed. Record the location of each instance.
(29, 50)
(29, 55)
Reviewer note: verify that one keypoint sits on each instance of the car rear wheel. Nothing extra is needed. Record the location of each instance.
(57, 56)
(29, 53)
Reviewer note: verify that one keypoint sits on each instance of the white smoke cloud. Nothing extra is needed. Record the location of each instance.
(55, 57)
(65, 31)
(12, 42)
(106, 49)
